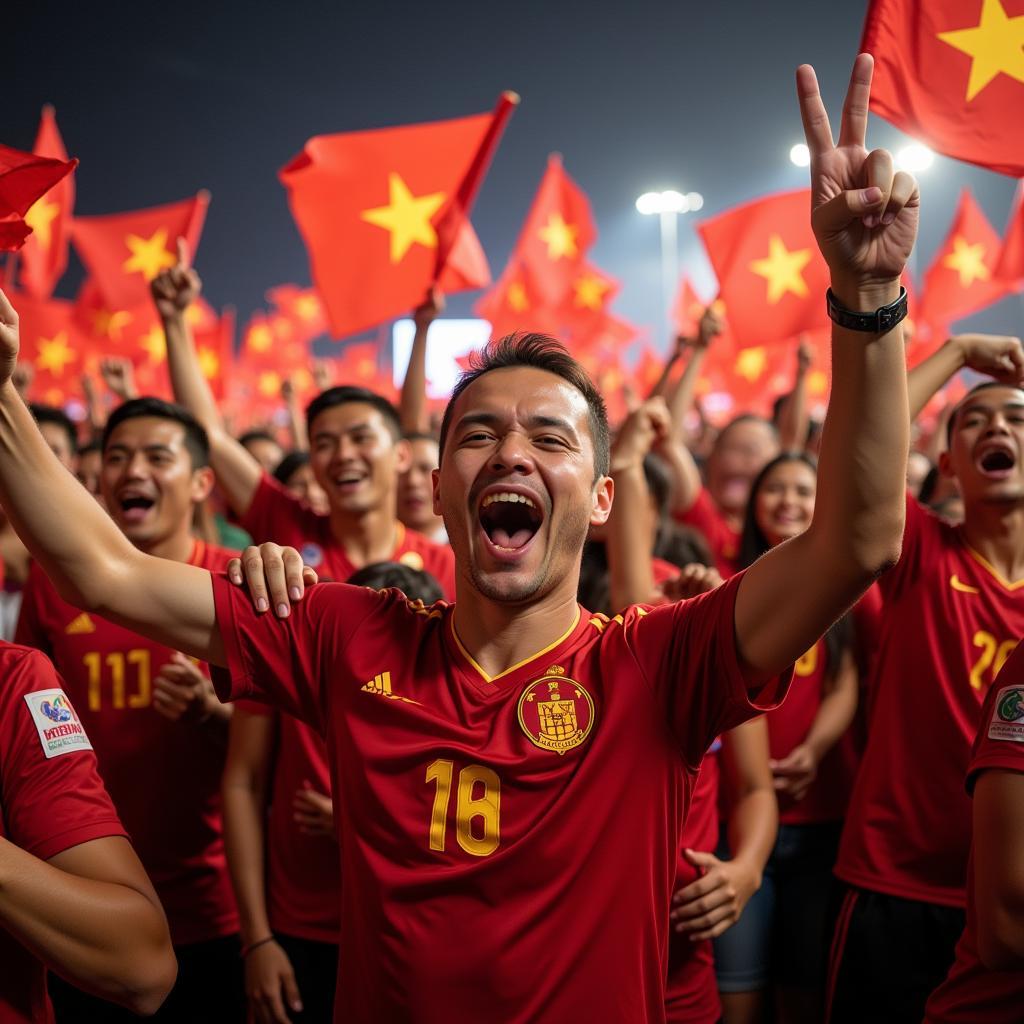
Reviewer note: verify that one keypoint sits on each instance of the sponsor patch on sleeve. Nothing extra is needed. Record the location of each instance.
(60, 731)
(1008, 715)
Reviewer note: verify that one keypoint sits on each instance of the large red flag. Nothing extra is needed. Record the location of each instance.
(950, 73)
(53, 342)
(384, 213)
(123, 252)
(1010, 266)
(24, 177)
(44, 256)
(962, 279)
(771, 276)
(512, 304)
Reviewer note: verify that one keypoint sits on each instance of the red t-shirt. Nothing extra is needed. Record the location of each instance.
(51, 798)
(303, 888)
(704, 515)
(972, 994)
(163, 776)
(508, 844)
(691, 995)
(275, 515)
(949, 624)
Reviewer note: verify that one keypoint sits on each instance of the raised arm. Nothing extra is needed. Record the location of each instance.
(174, 290)
(412, 405)
(794, 415)
(865, 220)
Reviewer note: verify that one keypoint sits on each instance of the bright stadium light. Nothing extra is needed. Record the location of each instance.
(915, 158)
(800, 155)
(668, 201)
(694, 201)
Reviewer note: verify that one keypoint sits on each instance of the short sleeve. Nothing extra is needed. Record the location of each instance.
(1000, 739)
(687, 653)
(723, 541)
(275, 515)
(288, 663)
(51, 801)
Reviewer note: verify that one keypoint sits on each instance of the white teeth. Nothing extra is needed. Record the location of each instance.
(508, 496)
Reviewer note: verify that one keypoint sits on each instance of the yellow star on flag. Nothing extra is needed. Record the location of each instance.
(260, 338)
(407, 217)
(154, 342)
(209, 362)
(148, 255)
(269, 384)
(995, 44)
(517, 299)
(968, 261)
(559, 237)
(54, 353)
(40, 218)
(110, 323)
(750, 363)
(781, 269)
(590, 291)
(307, 307)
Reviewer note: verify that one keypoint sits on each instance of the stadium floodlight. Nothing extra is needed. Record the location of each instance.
(914, 158)
(800, 155)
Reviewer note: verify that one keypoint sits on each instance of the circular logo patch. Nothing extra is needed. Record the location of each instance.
(556, 713)
(413, 559)
(312, 555)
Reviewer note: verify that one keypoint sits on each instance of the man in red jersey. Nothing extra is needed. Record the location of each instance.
(953, 612)
(355, 451)
(73, 896)
(986, 984)
(158, 729)
(511, 774)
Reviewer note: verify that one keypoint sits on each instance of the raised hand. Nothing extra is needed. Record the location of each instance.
(9, 342)
(644, 427)
(804, 354)
(710, 326)
(998, 356)
(424, 315)
(323, 373)
(864, 216)
(176, 288)
(119, 376)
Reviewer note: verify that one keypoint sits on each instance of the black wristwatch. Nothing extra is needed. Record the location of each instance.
(884, 319)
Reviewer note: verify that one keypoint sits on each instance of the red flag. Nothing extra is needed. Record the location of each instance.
(771, 276)
(382, 212)
(54, 344)
(950, 73)
(303, 306)
(962, 279)
(123, 252)
(24, 178)
(44, 256)
(512, 305)
(1010, 266)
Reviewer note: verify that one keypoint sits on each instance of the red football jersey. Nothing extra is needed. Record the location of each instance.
(971, 994)
(303, 888)
(163, 776)
(724, 541)
(51, 798)
(508, 844)
(949, 624)
(275, 515)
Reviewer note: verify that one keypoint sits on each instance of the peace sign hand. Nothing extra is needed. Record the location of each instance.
(864, 216)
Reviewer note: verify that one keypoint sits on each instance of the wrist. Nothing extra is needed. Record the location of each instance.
(865, 296)
(957, 347)
(626, 462)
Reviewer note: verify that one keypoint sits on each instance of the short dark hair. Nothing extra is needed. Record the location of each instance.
(287, 467)
(416, 584)
(985, 385)
(93, 445)
(59, 418)
(196, 441)
(344, 394)
(542, 352)
(419, 435)
(258, 435)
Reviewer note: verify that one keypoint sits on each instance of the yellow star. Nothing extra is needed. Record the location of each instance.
(559, 237)
(148, 255)
(307, 307)
(750, 363)
(590, 291)
(407, 217)
(968, 261)
(109, 323)
(40, 218)
(154, 342)
(209, 363)
(260, 338)
(269, 384)
(995, 44)
(781, 269)
(517, 299)
(54, 353)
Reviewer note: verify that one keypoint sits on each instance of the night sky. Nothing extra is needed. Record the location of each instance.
(159, 100)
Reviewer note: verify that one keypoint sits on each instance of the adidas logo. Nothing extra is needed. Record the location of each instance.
(381, 685)
(80, 625)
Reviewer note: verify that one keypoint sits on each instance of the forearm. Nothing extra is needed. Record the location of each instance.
(926, 379)
(190, 386)
(108, 938)
(835, 712)
(680, 400)
(631, 577)
(413, 401)
(296, 424)
(661, 385)
(752, 827)
(794, 417)
(244, 815)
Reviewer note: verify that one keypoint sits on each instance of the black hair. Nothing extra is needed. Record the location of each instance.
(196, 441)
(746, 417)
(541, 352)
(257, 435)
(985, 385)
(419, 435)
(681, 545)
(929, 485)
(90, 446)
(416, 584)
(344, 394)
(287, 467)
(59, 418)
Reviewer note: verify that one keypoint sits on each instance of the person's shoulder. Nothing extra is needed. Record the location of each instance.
(24, 669)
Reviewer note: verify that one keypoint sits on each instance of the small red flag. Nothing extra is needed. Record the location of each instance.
(383, 212)
(123, 252)
(24, 178)
(303, 306)
(52, 341)
(771, 276)
(950, 73)
(962, 279)
(44, 256)
(1010, 266)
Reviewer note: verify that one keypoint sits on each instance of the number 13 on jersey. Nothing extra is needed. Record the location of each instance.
(477, 807)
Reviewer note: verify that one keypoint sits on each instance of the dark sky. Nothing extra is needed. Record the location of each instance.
(159, 100)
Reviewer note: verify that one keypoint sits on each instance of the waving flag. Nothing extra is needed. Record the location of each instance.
(24, 178)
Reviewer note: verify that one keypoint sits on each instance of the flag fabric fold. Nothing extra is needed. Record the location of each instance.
(24, 178)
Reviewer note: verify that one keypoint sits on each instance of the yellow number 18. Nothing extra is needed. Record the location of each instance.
(470, 806)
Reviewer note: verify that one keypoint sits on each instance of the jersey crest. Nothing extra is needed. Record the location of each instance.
(56, 722)
(1008, 716)
(556, 712)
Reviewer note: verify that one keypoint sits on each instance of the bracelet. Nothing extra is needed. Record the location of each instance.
(881, 321)
(246, 950)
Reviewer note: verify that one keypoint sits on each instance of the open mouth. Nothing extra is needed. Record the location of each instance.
(510, 520)
(135, 507)
(997, 462)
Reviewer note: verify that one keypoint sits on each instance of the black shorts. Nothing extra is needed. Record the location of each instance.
(887, 957)
(316, 968)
